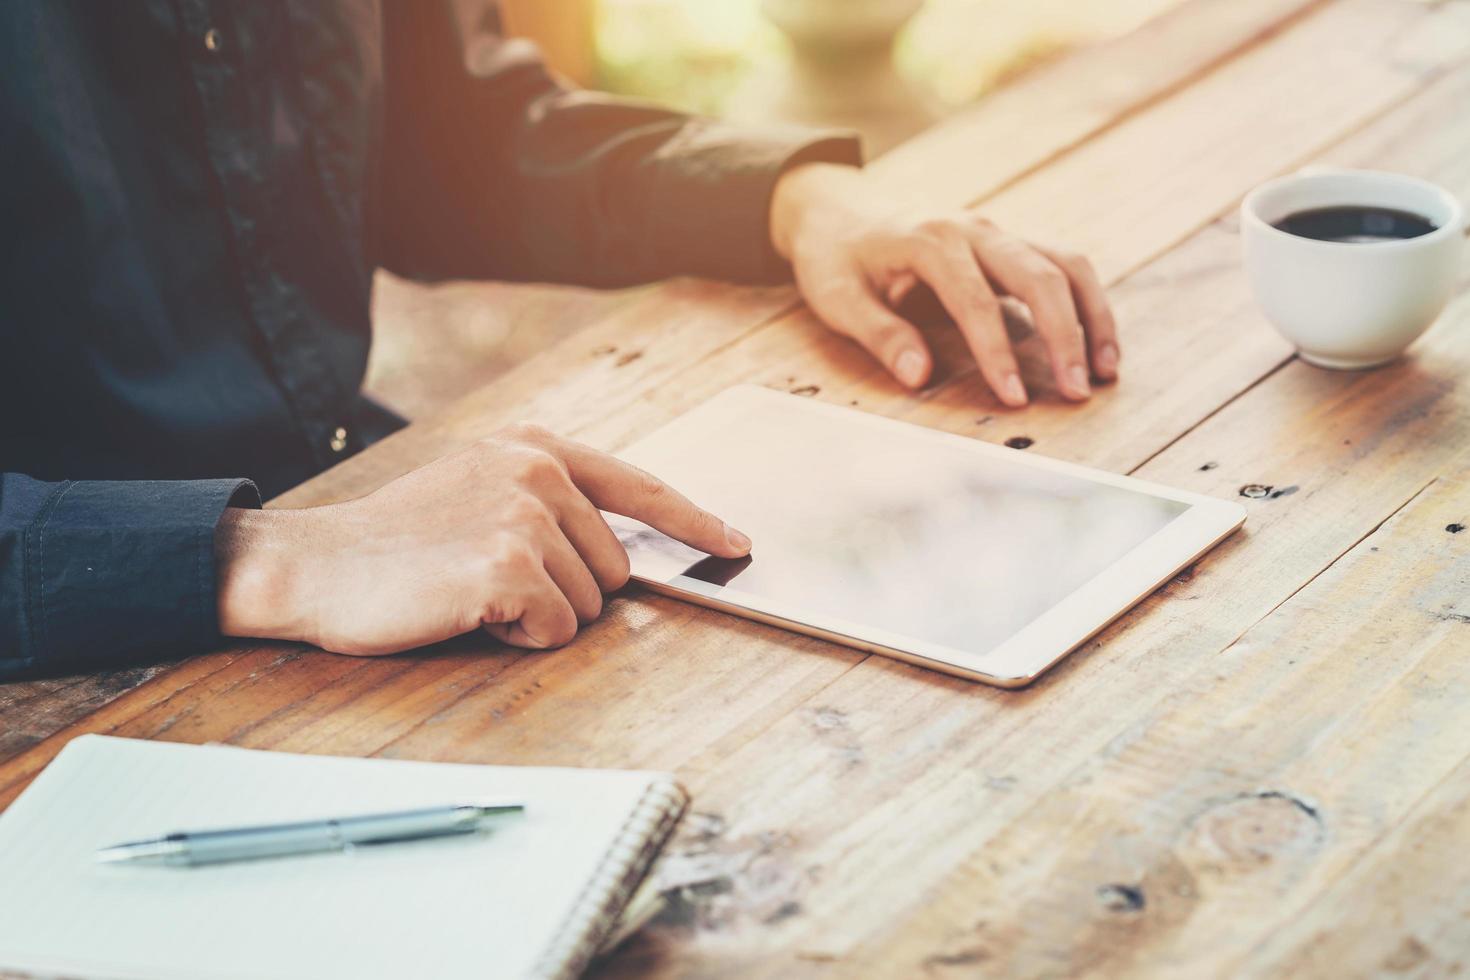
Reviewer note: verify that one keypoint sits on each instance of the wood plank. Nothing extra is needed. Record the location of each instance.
(36, 709)
(1225, 809)
(1288, 95)
(945, 768)
(436, 342)
(695, 319)
(1401, 910)
(1043, 114)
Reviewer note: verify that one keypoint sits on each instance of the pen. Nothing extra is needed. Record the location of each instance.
(187, 848)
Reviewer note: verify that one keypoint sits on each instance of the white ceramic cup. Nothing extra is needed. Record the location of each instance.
(1351, 305)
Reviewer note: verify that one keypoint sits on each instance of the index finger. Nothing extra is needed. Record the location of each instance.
(622, 488)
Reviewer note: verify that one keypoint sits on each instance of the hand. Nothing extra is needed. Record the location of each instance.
(856, 257)
(504, 535)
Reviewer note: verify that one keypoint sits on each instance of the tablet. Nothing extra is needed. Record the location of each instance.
(982, 561)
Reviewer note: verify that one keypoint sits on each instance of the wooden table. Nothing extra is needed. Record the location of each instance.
(1263, 770)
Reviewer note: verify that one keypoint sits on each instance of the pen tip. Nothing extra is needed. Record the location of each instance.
(141, 852)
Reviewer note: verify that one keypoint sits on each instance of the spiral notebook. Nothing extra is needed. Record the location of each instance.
(535, 897)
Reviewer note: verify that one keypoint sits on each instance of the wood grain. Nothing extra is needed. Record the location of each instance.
(36, 709)
(1223, 810)
(933, 775)
(1041, 115)
(945, 767)
(1414, 925)
(1229, 130)
(437, 342)
(1256, 780)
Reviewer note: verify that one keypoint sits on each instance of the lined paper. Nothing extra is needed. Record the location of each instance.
(482, 905)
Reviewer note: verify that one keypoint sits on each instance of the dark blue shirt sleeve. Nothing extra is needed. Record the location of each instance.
(97, 573)
(493, 169)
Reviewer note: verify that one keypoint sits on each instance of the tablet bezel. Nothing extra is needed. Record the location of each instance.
(1036, 647)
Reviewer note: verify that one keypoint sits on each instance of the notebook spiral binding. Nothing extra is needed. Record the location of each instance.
(600, 905)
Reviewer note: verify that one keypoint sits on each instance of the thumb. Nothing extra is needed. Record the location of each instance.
(895, 342)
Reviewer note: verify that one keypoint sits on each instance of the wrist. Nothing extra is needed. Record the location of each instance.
(801, 193)
(259, 558)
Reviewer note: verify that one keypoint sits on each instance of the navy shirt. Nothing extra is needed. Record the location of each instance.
(196, 195)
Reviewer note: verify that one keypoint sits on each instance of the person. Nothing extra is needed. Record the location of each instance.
(197, 194)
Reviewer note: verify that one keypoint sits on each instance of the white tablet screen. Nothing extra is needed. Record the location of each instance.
(919, 537)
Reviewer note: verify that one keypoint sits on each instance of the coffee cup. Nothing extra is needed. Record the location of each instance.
(1352, 266)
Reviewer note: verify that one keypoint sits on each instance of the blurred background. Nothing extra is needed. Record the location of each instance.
(885, 68)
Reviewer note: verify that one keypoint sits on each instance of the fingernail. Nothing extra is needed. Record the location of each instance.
(1107, 359)
(737, 540)
(1012, 390)
(910, 368)
(1077, 380)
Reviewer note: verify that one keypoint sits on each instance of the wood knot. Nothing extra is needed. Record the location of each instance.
(1020, 442)
(968, 957)
(829, 718)
(1255, 828)
(1122, 898)
(831, 725)
(1410, 955)
(1208, 466)
(1256, 491)
(806, 391)
(782, 912)
(1455, 528)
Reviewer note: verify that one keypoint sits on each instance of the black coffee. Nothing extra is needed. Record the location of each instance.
(1353, 223)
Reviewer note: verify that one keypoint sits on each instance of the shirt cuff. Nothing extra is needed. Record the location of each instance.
(715, 200)
(116, 571)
